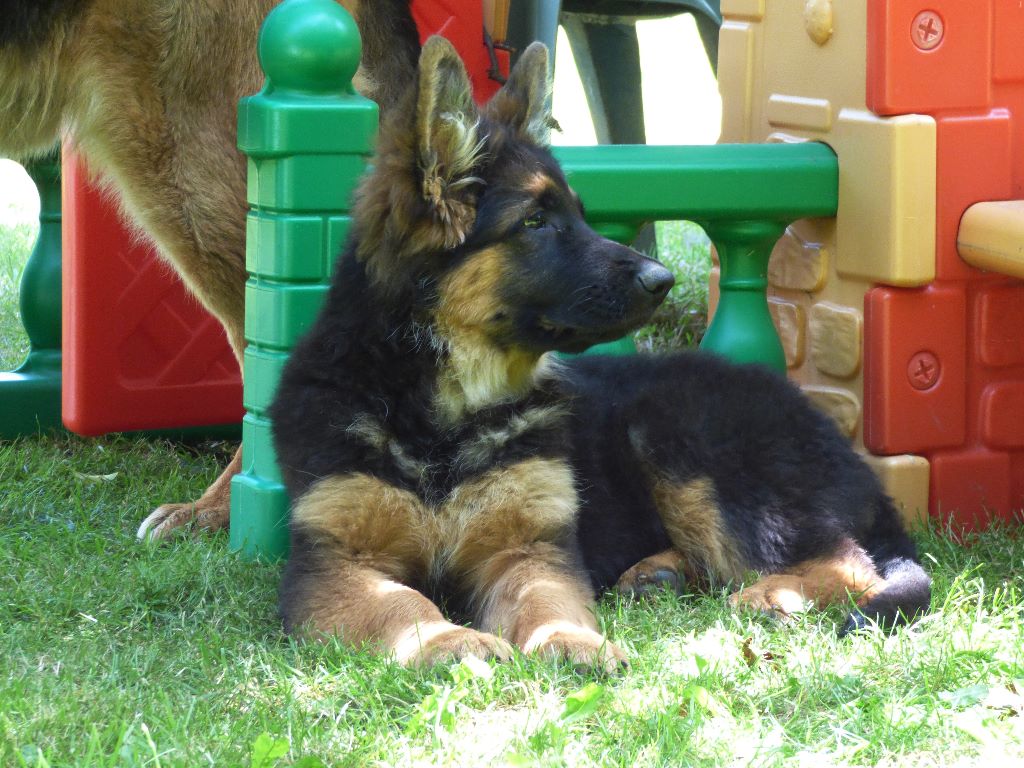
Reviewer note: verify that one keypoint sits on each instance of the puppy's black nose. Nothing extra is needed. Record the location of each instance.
(654, 278)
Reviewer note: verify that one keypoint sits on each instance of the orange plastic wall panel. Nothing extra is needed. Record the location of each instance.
(928, 56)
(1000, 326)
(972, 485)
(139, 352)
(1008, 36)
(914, 369)
(1002, 414)
(975, 162)
(462, 23)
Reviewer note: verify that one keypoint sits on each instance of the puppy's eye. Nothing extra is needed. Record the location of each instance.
(535, 220)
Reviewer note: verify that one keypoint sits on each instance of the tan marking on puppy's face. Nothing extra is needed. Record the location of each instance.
(470, 319)
(360, 514)
(470, 295)
(695, 527)
(819, 582)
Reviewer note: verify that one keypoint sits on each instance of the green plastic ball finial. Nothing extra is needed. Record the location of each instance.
(310, 46)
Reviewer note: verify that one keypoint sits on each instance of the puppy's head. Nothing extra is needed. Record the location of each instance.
(469, 215)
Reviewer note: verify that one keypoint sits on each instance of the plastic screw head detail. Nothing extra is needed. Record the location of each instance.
(927, 30)
(923, 370)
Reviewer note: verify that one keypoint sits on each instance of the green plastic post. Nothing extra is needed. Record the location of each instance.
(308, 137)
(30, 395)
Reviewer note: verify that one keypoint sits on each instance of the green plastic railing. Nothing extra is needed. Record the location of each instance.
(308, 137)
(743, 195)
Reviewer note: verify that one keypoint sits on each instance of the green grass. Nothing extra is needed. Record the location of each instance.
(682, 319)
(15, 243)
(115, 653)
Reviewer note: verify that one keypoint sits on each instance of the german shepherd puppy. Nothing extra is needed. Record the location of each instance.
(147, 92)
(437, 455)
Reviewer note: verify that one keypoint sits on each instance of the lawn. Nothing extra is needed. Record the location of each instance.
(116, 653)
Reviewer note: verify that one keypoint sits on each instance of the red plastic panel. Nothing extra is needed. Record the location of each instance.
(1000, 325)
(971, 486)
(1002, 415)
(914, 369)
(1008, 36)
(928, 56)
(975, 163)
(462, 23)
(139, 352)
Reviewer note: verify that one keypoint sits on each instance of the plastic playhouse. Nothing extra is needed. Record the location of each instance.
(904, 315)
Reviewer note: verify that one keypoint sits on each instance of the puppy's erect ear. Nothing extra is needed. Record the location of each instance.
(448, 144)
(523, 101)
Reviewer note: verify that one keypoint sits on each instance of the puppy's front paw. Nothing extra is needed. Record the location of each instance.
(585, 648)
(434, 642)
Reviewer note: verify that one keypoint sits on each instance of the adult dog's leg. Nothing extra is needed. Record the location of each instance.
(209, 512)
(535, 597)
(154, 115)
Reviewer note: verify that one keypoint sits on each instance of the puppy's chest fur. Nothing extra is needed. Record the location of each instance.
(442, 499)
(434, 459)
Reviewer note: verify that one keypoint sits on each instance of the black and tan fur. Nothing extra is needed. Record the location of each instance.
(437, 456)
(147, 92)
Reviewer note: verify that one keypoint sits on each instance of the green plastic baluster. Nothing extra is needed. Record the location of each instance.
(742, 327)
(30, 395)
(308, 137)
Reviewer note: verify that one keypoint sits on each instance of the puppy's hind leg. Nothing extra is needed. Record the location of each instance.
(822, 581)
(665, 570)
